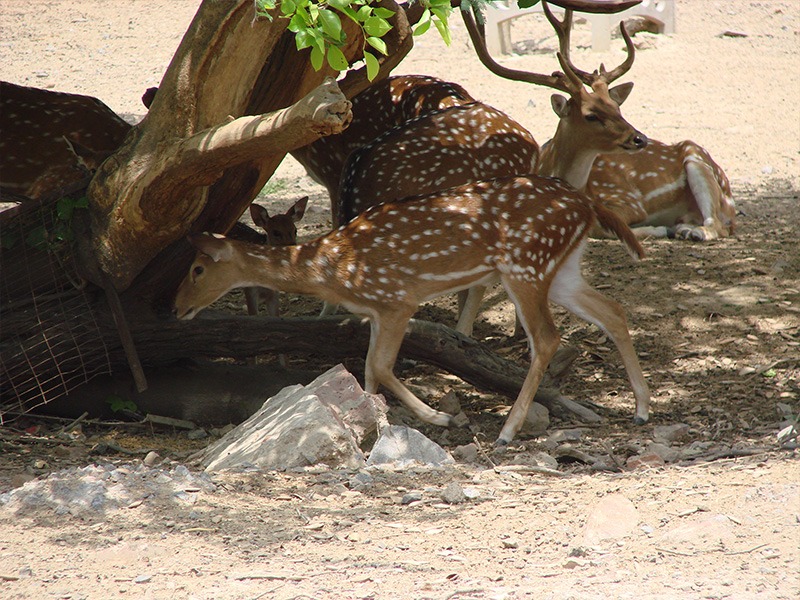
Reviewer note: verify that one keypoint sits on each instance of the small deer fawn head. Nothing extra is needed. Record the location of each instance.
(281, 230)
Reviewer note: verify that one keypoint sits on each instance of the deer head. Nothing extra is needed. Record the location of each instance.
(281, 229)
(590, 121)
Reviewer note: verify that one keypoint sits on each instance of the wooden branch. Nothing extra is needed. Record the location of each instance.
(324, 111)
(213, 335)
(163, 198)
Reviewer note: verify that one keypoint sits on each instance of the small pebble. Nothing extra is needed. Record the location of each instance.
(152, 458)
(453, 494)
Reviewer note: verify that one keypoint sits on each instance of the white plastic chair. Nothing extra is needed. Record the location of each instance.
(500, 14)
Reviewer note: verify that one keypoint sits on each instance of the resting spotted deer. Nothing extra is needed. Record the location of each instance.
(52, 139)
(666, 191)
(527, 232)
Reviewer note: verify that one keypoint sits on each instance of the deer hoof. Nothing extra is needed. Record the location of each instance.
(639, 420)
(459, 420)
(500, 445)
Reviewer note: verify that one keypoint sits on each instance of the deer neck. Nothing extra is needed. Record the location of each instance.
(302, 269)
(568, 158)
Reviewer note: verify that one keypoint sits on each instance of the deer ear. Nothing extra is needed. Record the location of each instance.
(619, 93)
(298, 209)
(218, 248)
(259, 215)
(559, 104)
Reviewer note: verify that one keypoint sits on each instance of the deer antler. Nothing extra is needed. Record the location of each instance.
(563, 29)
(556, 80)
(623, 68)
(573, 77)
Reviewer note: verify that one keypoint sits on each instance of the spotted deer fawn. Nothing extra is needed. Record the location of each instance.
(281, 230)
(527, 232)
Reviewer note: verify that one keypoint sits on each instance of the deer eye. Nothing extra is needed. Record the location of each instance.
(592, 118)
(198, 270)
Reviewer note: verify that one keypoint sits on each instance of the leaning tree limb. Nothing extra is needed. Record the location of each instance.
(169, 189)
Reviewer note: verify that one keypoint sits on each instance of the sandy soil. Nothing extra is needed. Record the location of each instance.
(717, 327)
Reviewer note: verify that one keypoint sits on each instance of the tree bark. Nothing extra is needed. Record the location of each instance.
(216, 130)
(212, 336)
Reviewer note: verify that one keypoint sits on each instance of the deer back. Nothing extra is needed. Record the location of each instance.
(52, 139)
(377, 109)
(435, 151)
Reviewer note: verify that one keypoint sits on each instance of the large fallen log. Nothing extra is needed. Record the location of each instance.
(338, 337)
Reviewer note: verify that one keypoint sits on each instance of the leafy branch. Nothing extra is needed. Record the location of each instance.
(317, 24)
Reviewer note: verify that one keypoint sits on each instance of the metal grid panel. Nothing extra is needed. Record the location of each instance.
(50, 341)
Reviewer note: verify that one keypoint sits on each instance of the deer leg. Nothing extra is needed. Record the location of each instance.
(328, 309)
(251, 299)
(543, 340)
(651, 231)
(386, 336)
(571, 291)
(271, 301)
(469, 303)
(707, 198)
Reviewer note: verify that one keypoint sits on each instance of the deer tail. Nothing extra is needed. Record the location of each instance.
(611, 222)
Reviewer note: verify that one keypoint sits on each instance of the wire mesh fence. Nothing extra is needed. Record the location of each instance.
(50, 340)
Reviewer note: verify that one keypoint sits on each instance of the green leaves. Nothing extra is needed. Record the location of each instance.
(373, 66)
(317, 25)
(437, 13)
(331, 25)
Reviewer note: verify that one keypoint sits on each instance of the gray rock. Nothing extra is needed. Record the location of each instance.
(561, 436)
(361, 481)
(411, 497)
(400, 446)
(668, 434)
(665, 452)
(449, 403)
(537, 420)
(453, 493)
(543, 459)
(323, 422)
(466, 454)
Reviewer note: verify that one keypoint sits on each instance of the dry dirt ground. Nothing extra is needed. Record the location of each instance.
(717, 327)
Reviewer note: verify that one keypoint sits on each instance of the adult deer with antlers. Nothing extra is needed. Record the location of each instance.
(666, 190)
(528, 232)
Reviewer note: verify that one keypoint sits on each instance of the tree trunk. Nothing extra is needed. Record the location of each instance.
(216, 130)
